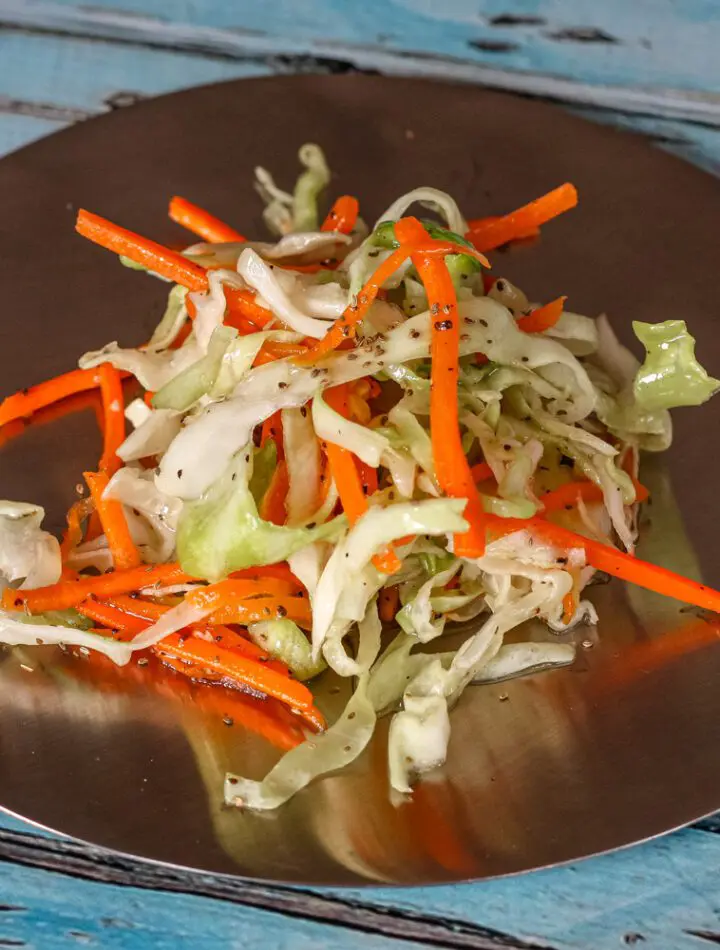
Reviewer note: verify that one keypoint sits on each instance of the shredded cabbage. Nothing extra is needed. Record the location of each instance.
(671, 375)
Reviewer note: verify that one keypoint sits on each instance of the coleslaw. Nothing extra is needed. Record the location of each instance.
(346, 443)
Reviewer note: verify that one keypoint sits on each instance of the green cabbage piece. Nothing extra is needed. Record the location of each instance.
(264, 465)
(197, 379)
(222, 531)
(309, 185)
(285, 641)
(671, 375)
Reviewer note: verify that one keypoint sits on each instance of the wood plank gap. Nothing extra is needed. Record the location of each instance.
(43, 110)
(288, 55)
(80, 860)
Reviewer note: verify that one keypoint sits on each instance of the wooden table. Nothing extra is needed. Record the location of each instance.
(651, 65)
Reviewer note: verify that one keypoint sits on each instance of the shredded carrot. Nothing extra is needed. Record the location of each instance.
(23, 404)
(272, 350)
(114, 417)
(281, 571)
(568, 495)
(58, 410)
(481, 472)
(272, 507)
(161, 260)
(542, 318)
(451, 464)
(67, 594)
(130, 616)
(348, 481)
(569, 603)
(605, 558)
(254, 609)
(202, 223)
(77, 513)
(114, 524)
(234, 659)
(342, 216)
(487, 235)
(250, 673)
(244, 303)
(388, 603)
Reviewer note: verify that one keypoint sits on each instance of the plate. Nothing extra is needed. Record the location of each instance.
(618, 748)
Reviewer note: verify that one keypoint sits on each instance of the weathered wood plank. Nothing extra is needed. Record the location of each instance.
(58, 79)
(663, 891)
(42, 910)
(571, 56)
(18, 130)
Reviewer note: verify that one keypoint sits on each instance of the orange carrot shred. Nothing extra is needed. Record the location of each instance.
(388, 603)
(202, 223)
(348, 481)
(542, 318)
(23, 404)
(114, 524)
(272, 507)
(342, 216)
(451, 464)
(114, 417)
(487, 235)
(67, 594)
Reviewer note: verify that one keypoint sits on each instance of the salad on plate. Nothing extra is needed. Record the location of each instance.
(337, 448)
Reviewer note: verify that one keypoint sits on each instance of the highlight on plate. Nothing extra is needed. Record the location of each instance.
(345, 443)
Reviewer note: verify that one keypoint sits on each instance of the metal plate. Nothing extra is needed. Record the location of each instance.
(621, 747)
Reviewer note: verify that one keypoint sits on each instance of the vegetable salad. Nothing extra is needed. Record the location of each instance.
(337, 447)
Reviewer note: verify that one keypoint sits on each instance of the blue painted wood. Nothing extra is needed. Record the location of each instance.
(49, 911)
(629, 43)
(19, 130)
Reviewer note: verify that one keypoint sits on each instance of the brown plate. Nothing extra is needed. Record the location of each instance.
(619, 748)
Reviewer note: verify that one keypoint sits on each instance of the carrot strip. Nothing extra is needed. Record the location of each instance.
(348, 482)
(281, 571)
(388, 603)
(202, 223)
(114, 417)
(66, 594)
(161, 260)
(27, 401)
(342, 216)
(272, 507)
(78, 511)
(481, 472)
(112, 617)
(487, 235)
(568, 495)
(114, 524)
(274, 350)
(254, 609)
(257, 676)
(605, 558)
(131, 616)
(243, 302)
(222, 640)
(451, 465)
(542, 318)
